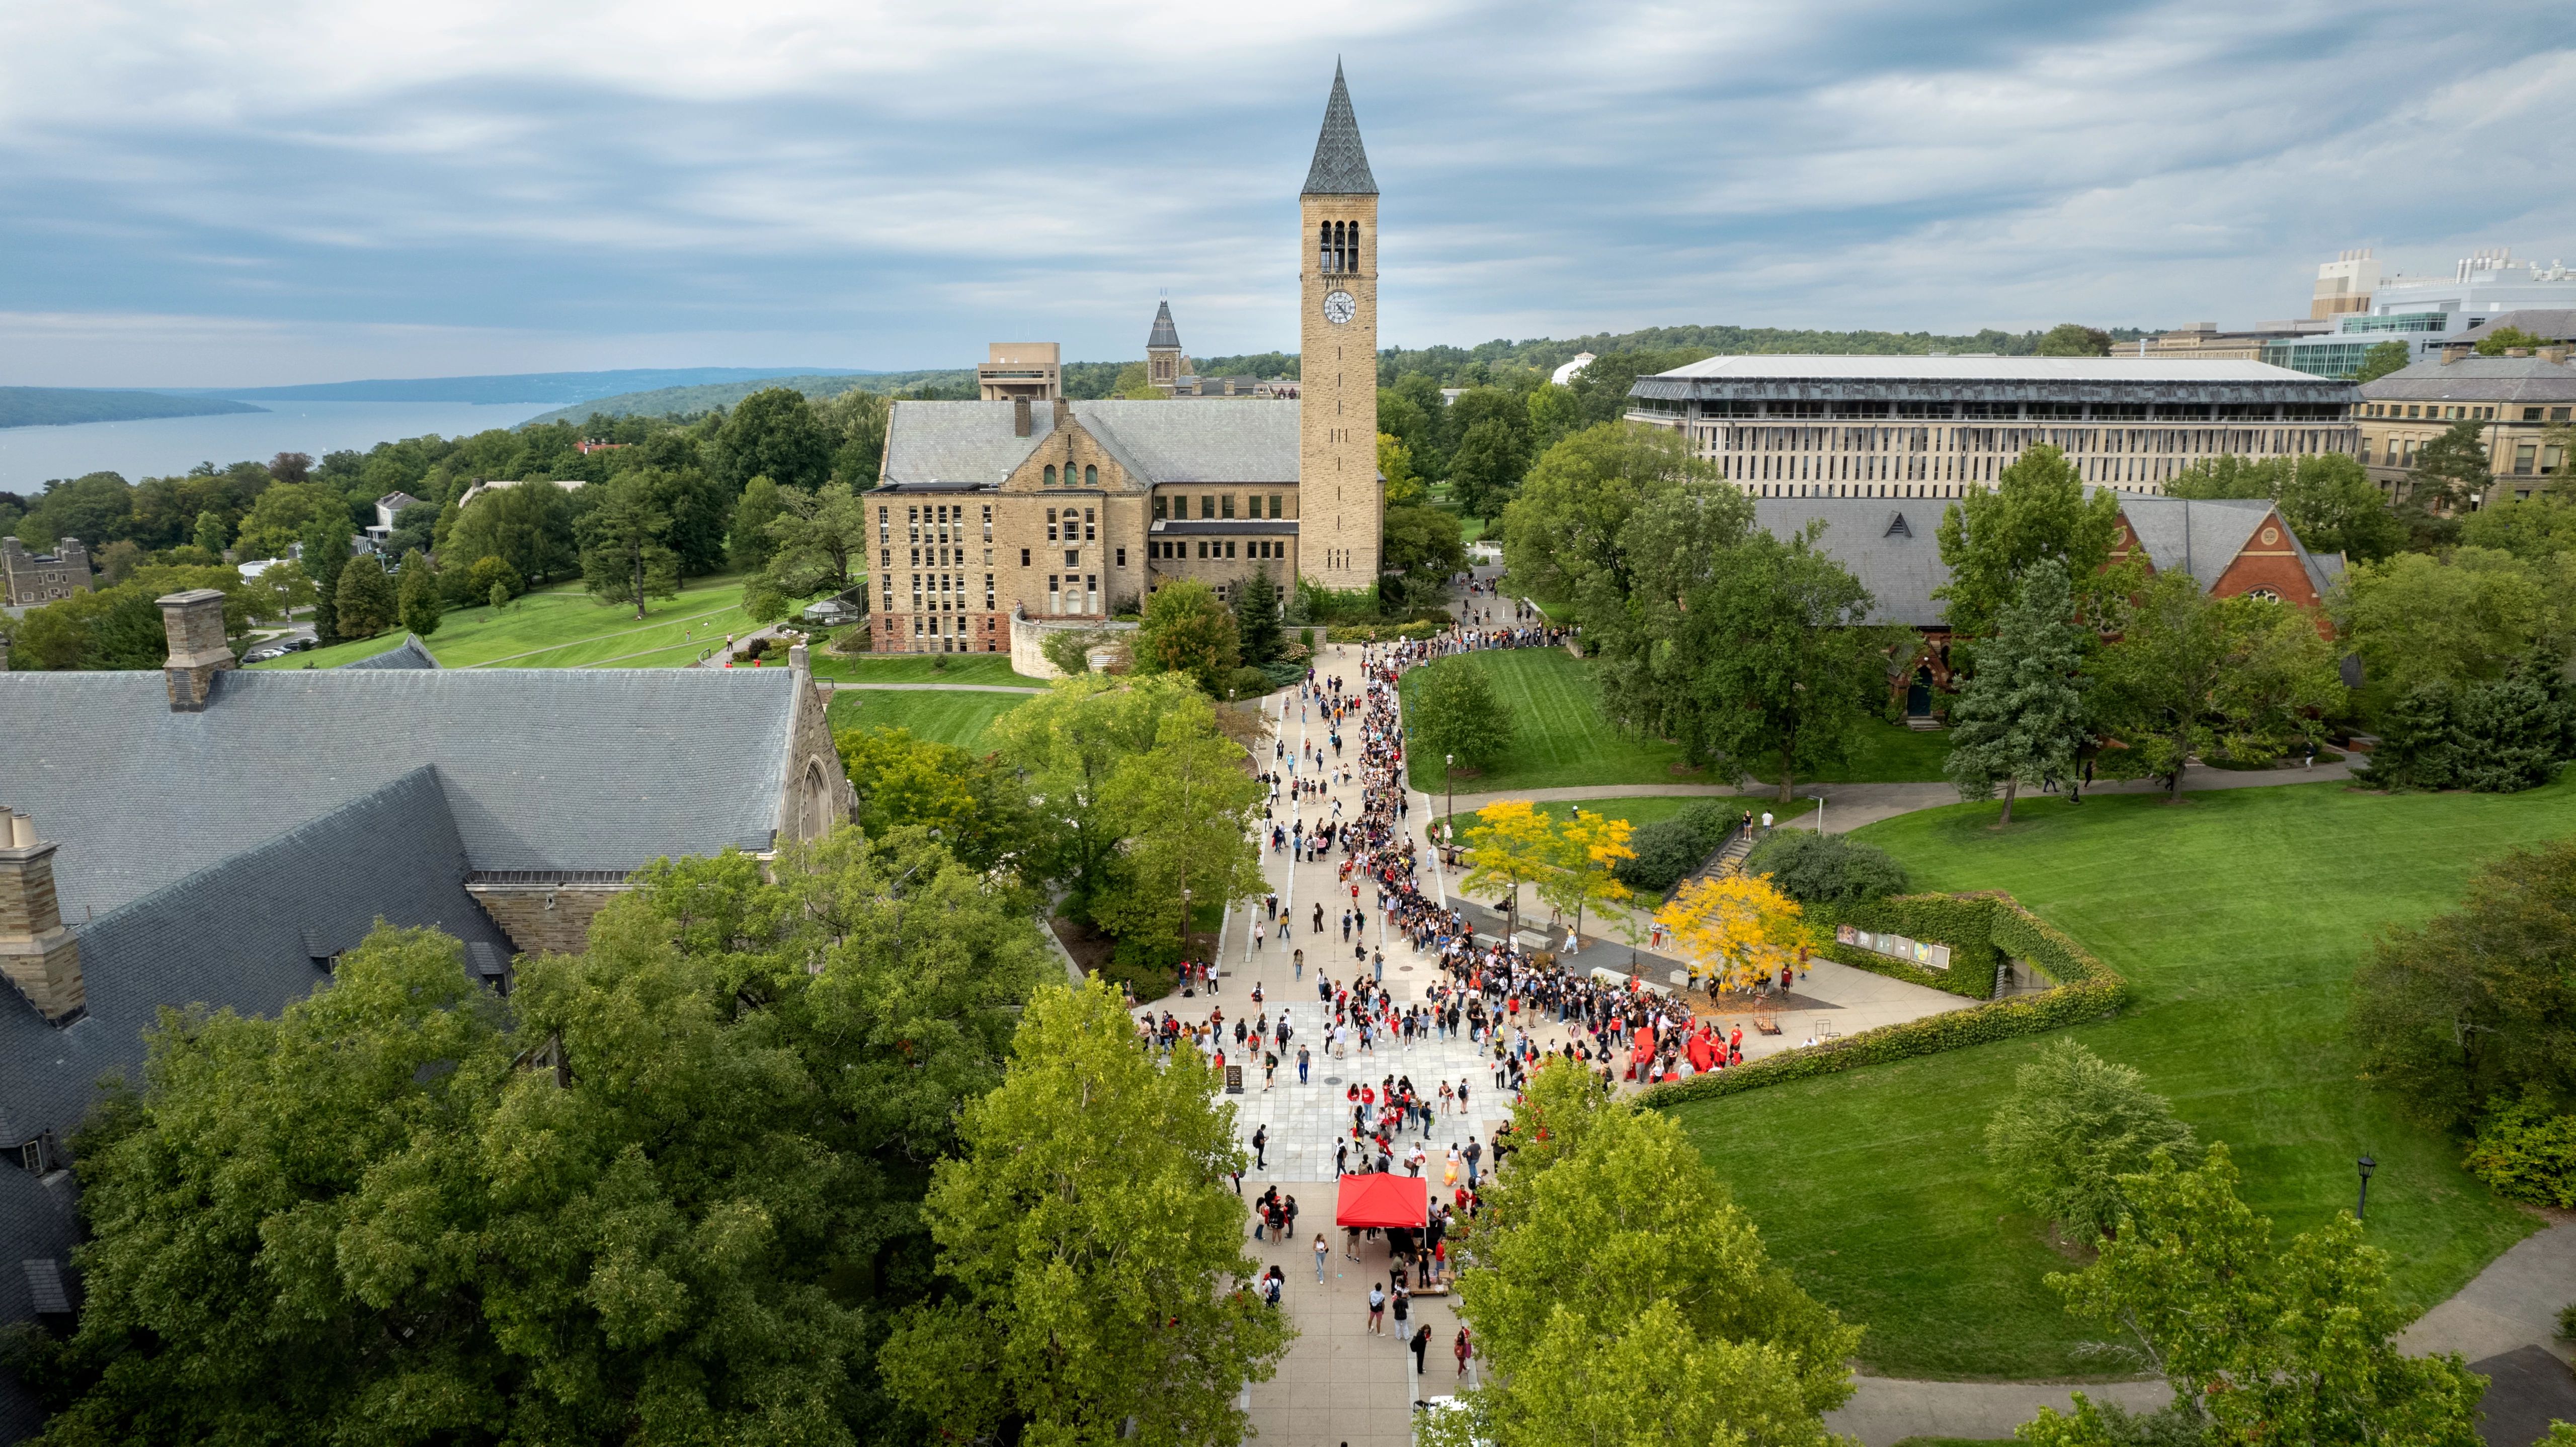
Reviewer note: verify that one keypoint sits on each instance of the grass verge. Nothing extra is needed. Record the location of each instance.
(1560, 739)
(563, 627)
(918, 668)
(1883, 753)
(951, 716)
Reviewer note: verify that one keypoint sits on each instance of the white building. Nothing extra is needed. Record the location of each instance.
(1565, 374)
(2425, 312)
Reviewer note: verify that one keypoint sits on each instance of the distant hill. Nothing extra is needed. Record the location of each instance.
(564, 387)
(66, 406)
(686, 401)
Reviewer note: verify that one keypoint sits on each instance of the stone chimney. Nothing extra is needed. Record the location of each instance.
(1063, 414)
(1021, 423)
(195, 622)
(2556, 354)
(800, 658)
(38, 955)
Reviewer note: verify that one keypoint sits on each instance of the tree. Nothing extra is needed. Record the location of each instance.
(1452, 713)
(118, 628)
(1736, 929)
(418, 600)
(365, 605)
(2294, 1347)
(1486, 468)
(1395, 463)
(529, 526)
(2074, 339)
(2036, 513)
(1554, 413)
(2498, 735)
(1420, 549)
(977, 804)
(1066, 745)
(749, 536)
(279, 516)
(1510, 844)
(326, 558)
(2417, 620)
(1256, 617)
(772, 433)
(2475, 1008)
(1188, 630)
(2073, 1126)
(625, 552)
(2191, 672)
(2382, 359)
(211, 532)
(488, 573)
(293, 467)
(498, 598)
(818, 544)
(1564, 533)
(1590, 848)
(856, 420)
(2020, 717)
(1824, 869)
(1094, 1255)
(2230, 475)
(2504, 339)
(1619, 1296)
(2334, 507)
(2533, 529)
(2449, 469)
(1185, 810)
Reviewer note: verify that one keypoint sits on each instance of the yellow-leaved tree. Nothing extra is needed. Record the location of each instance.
(1588, 847)
(1510, 844)
(1737, 929)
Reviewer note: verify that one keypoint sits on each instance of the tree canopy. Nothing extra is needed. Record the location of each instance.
(2036, 512)
(1189, 631)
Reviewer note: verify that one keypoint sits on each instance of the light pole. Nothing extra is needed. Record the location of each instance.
(1185, 921)
(1449, 775)
(2365, 1165)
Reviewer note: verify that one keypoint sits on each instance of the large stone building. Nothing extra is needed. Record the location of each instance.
(2523, 406)
(31, 580)
(215, 835)
(1805, 426)
(1044, 508)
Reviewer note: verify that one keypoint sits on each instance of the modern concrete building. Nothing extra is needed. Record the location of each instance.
(1034, 370)
(1801, 426)
(2427, 312)
(2524, 406)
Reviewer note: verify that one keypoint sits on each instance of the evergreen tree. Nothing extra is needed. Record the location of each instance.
(1256, 617)
(625, 550)
(2020, 718)
(366, 599)
(326, 557)
(418, 594)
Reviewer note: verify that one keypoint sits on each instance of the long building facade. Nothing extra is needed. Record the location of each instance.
(1040, 508)
(1810, 426)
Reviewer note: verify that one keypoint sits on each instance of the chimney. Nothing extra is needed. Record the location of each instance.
(799, 659)
(2556, 354)
(38, 955)
(1020, 421)
(1063, 412)
(194, 621)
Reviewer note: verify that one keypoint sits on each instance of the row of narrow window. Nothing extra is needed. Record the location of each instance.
(1221, 548)
(1090, 476)
(1338, 246)
(1216, 505)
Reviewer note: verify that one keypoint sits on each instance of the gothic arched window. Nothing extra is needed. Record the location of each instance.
(1090, 475)
(1324, 247)
(1050, 475)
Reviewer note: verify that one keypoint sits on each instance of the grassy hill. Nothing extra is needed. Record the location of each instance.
(564, 627)
(67, 406)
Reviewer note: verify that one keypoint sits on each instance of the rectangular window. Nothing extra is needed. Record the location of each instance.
(2525, 456)
(988, 592)
(1090, 525)
(1274, 505)
(1207, 506)
(1202, 550)
(2365, 452)
(1227, 503)
(2550, 460)
(988, 522)
(1158, 507)
(1050, 524)
(1073, 557)
(1091, 593)
(1122, 557)
(885, 527)
(2557, 414)
(1024, 557)
(1229, 548)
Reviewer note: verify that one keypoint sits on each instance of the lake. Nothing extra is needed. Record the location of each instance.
(161, 446)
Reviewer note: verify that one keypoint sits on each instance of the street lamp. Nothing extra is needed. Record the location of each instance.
(1185, 920)
(1449, 773)
(2366, 1165)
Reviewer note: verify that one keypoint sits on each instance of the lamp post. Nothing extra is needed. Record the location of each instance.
(1185, 920)
(1449, 775)
(2365, 1165)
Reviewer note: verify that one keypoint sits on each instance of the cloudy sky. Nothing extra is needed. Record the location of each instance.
(213, 192)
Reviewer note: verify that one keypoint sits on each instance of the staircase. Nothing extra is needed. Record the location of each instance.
(1728, 859)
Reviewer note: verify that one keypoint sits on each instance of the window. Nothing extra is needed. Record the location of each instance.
(988, 528)
(1050, 524)
(1207, 506)
(2411, 410)
(1202, 551)
(1158, 507)
(1122, 557)
(1227, 504)
(2557, 414)
(1024, 557)
(2530, 414)
(1090, 475)
(2365, 452)
(2551, 458)
(1050, 476)
(2266, 595)
(1090, 526)
(1274, 506)
(988, 598)
(1073, 557)
(1229, 548)
(2525, 457)
(885, 528)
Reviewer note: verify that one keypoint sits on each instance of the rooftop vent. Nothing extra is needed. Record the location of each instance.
(1897, 527)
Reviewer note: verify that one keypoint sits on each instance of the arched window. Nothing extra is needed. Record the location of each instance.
(1355, 246)
(816, 805)
(1324, 247)
(1050, 475)
(1090, 475)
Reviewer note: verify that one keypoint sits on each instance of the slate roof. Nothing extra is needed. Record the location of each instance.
(2003, 369)
(1164, 333)
(2477, 379)
(944, 446)
(412, 654)
(542, 768)
(1341, 165)
(2557, 324)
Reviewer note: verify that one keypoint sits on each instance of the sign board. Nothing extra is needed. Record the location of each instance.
(1921, 953)
(1234, 1080)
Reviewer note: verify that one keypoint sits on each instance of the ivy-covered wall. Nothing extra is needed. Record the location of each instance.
(1963, 922)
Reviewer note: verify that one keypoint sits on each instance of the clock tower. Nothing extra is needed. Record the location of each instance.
(1337, 483)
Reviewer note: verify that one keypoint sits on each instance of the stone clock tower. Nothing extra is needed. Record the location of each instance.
(1337, 484)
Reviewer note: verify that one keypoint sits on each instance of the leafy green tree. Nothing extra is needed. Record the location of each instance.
(2073, 1126)
(2074, 339)
(498, 598)
(2504, 339)
(2261, 1347)
(1404, 412)
(278, 518)
(1188, 630)
(326, 556)
(2497, 735)
(1185, 811)
(702, 512)
(2533, 529)
(95, 508)
(2382, 359)
(2450, 468)
(1066, 745)
(211, 532)
(116, 627)
(773, 433)
(1562, 533)
(417, 595)
(2037, 512)
(2191, 673)
(1094, 1256)
(488, 573)
(625, 550)
(1555, 413)
(1452, 712)
(2019, 719)
(1256, 617)
(2230, 475)
(1395, 463)
(529, 526)
(752, 515)
(818, 544)
(1420, 548)
(1618, 1295)
(2417, 620)
(1823, 869)
(1486, 468)
(2475, 1008)
(977, 804)
(365, 602)
(2328, 500)
(856, 420)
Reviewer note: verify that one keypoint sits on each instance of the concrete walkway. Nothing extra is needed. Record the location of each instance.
(828, 685)
(1887, 1410)
(2513, 1303)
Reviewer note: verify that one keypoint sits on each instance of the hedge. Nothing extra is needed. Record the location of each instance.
(1965, 924)
(2087, 990)
(1384, 632)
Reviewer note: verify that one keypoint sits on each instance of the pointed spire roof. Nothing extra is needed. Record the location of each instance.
(1341, 164)
(1164, 334)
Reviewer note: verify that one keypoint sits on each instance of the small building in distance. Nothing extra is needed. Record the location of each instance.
(2522, 405)
(2427, 312)
(1925, 426)
(1171, 372)
(1567, 371)
(388, 509)
(1034, 370)
(31, 580)
(497, 484)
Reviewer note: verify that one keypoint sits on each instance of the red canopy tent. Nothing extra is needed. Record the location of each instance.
(1383, 1200)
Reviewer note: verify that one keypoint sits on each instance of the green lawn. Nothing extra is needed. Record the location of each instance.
(951, 716)
(1559, 737)
(920, 668)
(564, 627)
(1886, 754)
(2240, 915)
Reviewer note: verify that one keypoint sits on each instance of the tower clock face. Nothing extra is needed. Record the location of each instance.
(1339, 308)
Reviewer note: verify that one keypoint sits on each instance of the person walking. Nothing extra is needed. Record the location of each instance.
(1462, 1349)
(1261, 1146)
(1475, 1153)
(1322, 1250)
(1377, 1309)
(1421, 1348)
(1301, 1065)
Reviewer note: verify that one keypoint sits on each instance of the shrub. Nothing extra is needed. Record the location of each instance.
(1250, 682)
(2527, 1152)
(2567, 1322)
(1667, 851)
(2074, 1124)
(1826, 869)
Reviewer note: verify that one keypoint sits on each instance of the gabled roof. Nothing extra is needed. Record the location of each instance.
(2556, 324)
(1164, 333)
(2477, 379)
(2200, 536)
(411, 654)
(1341, 165)
(944, 446)
(1900, 566)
